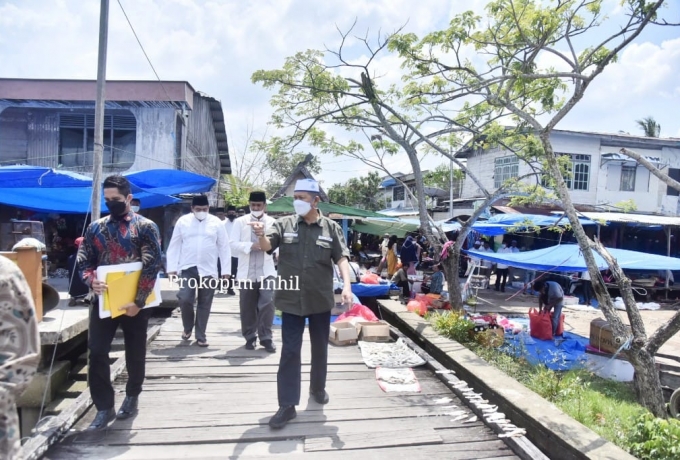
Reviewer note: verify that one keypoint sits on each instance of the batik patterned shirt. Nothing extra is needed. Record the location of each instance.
(19, 352)
(111, 241)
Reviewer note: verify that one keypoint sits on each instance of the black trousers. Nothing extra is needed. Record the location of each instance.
(587, 291)
(102, 332)
(501, 278)
(289, 375)
(405, 288)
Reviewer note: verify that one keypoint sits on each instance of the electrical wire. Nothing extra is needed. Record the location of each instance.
(144, 51)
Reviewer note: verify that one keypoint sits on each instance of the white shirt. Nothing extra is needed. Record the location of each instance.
(383, 247)
(503, 250)
(228, 225)
(585, 275)
(486, 263)
(198, 243)
(241, 244)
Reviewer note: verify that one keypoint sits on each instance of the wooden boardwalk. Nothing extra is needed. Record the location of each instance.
(214, 403)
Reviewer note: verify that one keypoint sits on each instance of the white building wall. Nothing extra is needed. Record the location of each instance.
(604, 182)
(482, 166)
(155, 139)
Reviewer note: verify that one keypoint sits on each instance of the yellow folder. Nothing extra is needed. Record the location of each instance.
(122, 290)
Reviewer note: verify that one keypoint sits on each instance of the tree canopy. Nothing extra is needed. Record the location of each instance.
(359, 192)
(505, 79)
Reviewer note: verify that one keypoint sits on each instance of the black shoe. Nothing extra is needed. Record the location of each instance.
(250, 344)
(269, 346)
(102, 419)
(128, 408)
(284, 415)
(320, 396)
(231, 292)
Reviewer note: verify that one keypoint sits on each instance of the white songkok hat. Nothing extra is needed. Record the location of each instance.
(307, 185)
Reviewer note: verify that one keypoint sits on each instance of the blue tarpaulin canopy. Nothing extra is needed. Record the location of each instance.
(568, 258)
(170, 181)
(48, 190)
(500, 223)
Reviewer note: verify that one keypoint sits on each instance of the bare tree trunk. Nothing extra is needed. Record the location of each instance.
(647, 384)
(451, 267)
(646, 381)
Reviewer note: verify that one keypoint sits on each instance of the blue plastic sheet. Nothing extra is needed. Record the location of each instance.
(51, 190)
(568, 354)
(568, 258)
(277, 320)
(372, 290)
(500, 223)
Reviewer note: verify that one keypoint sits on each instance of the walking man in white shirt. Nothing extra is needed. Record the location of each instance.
(198, 240)
(256, 274)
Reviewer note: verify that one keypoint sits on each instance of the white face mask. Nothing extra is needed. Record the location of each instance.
(256, 213)
(302, 208)
(134, 208)
(200, 215)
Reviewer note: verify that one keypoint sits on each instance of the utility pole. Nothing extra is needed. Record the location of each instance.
(98, 157)
(451, 189)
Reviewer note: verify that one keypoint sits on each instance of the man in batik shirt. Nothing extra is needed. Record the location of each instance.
(122, 237)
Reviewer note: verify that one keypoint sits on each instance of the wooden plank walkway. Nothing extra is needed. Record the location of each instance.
(214, 403)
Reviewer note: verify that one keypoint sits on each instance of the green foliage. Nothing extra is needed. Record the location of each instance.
(655, 439)
(239, 191)
(280, 162)
(454, 325)
(362, 192)
(440, 177)
(627, 205)
(607, 407)
(649, 126)
(483, 82)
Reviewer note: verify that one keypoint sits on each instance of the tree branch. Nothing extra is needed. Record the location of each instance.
(653, 169)
(665, 332)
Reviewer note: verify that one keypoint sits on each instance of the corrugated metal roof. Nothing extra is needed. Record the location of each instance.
(633, 218)
(506, 209)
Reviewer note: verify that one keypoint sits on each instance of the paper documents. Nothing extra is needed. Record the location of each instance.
(122, 281)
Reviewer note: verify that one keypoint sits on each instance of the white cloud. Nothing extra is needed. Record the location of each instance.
(216, 45)
(642, 83)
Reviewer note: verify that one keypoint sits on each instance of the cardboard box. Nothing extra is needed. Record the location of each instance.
(601, 336)
(375, 331)
(343, 333)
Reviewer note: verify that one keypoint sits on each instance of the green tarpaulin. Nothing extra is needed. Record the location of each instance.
(285, 204)
(381, 227)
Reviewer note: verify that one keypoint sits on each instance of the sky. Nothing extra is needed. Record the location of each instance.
(216, 45)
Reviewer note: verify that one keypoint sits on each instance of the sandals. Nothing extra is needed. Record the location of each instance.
(186, 335)
(201, 344)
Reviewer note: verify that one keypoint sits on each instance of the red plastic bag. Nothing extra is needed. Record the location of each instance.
(370, 278)
(423, 299)
(416, 306)
(540, 325)
(361, 311)
(560, 325)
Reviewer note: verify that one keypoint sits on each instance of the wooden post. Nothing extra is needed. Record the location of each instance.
(30, 263)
